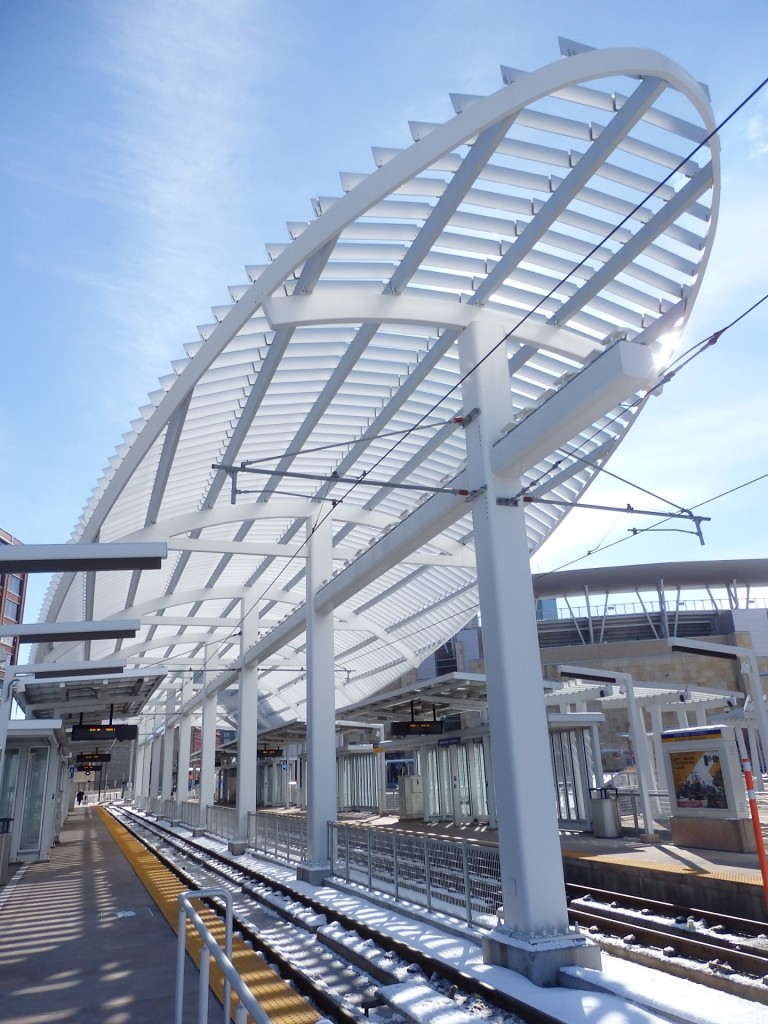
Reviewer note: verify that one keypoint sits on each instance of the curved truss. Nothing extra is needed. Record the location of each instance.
(338, 363)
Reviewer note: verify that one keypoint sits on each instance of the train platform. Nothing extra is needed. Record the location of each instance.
(88, 937)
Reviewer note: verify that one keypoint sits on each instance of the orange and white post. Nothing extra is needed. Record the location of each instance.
(750, 783)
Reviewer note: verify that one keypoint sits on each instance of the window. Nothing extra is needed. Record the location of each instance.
(11, 610)
(14, 585)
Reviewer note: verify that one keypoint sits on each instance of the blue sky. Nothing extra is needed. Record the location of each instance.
(152, 149)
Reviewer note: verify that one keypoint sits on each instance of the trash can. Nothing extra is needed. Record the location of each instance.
(5, 848)
(606, 820)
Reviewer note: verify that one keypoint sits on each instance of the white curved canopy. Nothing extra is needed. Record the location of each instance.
(337, 362)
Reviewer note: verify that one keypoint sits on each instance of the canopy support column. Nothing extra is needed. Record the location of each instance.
(166, 784)
(207, 748)
(535, 938)
(321, 704)
(185, 745)
(155, 761)
(248, 727)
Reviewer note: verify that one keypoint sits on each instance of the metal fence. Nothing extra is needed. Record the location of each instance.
(457, 878)
(283, 836)
(189, 813)
(221, 821)
(630, 809)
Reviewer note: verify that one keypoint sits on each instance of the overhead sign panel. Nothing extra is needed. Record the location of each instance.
(428, 728)
(104, 733)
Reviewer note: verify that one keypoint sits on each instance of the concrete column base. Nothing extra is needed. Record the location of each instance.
(315, 874)
(539, 961)
(237, 846)
(198, 830)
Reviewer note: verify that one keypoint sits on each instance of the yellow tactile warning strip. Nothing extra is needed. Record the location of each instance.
(742, 878)
(281, 1003)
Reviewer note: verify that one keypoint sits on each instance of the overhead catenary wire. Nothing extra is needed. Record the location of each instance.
(419, 424)
(655, 527)
(565, 278)
(671, 371)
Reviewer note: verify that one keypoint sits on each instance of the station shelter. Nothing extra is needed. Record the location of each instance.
(34, 791)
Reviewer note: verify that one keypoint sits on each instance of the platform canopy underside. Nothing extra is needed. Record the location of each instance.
(329, 384)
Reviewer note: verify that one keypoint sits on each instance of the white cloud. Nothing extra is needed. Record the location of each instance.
(757, 134)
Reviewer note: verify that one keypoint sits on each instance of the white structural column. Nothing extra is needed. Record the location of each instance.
(138, 770)
(155, 762)
(185, 744)
(146, 760)
(321, 698)
(642, 751)
(168, 738)
(535, 939)
(247, 735)
(657, 728)
(207, 745)
(597, 761)
(757, 694)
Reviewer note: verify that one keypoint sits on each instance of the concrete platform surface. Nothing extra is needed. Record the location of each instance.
(81, 941)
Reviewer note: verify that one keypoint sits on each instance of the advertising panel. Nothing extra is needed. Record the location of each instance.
(704, 772)
(698, 778)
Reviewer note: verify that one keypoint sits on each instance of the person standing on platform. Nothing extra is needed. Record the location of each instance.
(80, 797)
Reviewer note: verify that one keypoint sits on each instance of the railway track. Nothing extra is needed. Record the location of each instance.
(729, 953)
(328, 967)
(335, 961)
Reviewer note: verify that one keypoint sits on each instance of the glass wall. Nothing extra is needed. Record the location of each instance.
(34, 798)
(9, 783)
(569, 760)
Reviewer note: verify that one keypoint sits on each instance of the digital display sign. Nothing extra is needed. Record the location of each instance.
(104, 733)
(428, 728)
(92, 758)
(271, 752)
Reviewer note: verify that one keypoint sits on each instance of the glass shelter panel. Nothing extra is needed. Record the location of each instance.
(569, 766)
(34, 795)
(9, 783)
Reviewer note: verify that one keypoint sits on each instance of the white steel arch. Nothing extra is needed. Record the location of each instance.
(338, 360)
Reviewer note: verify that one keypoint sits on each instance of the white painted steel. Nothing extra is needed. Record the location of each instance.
(531, 877)
(339, 358)
(166, 784)
(321, 692)
(350, 332)
(247, 736)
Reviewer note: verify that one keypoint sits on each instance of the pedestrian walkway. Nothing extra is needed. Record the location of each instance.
(81, 940)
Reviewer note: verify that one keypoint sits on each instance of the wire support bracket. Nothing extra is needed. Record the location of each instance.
(336, 478)
(682, 513)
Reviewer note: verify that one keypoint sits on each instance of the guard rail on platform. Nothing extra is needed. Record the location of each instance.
(283, 836)
(249, 1004)
(221, 821)
(456, 878)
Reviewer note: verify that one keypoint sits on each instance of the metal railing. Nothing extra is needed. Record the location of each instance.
(283, 836)
(249, 1004)
(189, 813)
(630, 806)
(455, 878)
(221, 821)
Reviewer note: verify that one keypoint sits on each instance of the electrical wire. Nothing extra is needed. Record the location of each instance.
(419, 424)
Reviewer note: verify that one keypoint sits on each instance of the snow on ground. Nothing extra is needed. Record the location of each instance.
(629, 993)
